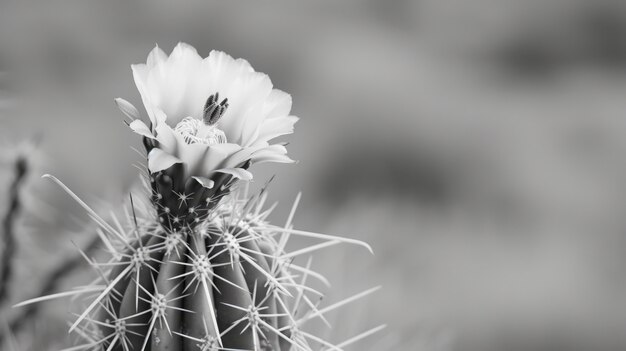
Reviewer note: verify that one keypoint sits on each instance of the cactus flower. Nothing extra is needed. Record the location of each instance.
(211, 115)
(209, 120)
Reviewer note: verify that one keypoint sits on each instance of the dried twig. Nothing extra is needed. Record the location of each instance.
(8, 224)
(50, 285)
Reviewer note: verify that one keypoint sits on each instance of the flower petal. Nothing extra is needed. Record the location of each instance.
(272, 153)
(273, 128)
(156, 57)
(239, 157)
(205, 182)
(245, 89)
(217, 156)
(159, 160)
(167, 139)
(278, 104)
(127, 108)
(238, 173)
(140, 74)
(194, 156)
(141, 128)
(167, 83)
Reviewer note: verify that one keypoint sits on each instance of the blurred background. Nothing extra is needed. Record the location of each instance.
(478, 146)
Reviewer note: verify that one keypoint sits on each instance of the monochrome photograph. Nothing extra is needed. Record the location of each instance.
(213, 175)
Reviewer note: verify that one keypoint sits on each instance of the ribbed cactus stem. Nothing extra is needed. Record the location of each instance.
(223, 282)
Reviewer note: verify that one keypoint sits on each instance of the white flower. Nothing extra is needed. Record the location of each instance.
(212, 115)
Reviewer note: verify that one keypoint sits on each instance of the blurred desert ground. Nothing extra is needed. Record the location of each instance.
(479, 146)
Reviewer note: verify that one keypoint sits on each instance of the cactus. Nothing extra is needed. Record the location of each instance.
(225, 282)
(196, 265)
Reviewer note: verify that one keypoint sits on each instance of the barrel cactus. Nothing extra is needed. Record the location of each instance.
(195, 264)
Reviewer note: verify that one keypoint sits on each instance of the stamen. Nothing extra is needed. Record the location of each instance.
(195, 131)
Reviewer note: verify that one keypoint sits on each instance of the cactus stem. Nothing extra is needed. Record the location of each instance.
(220, 280)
